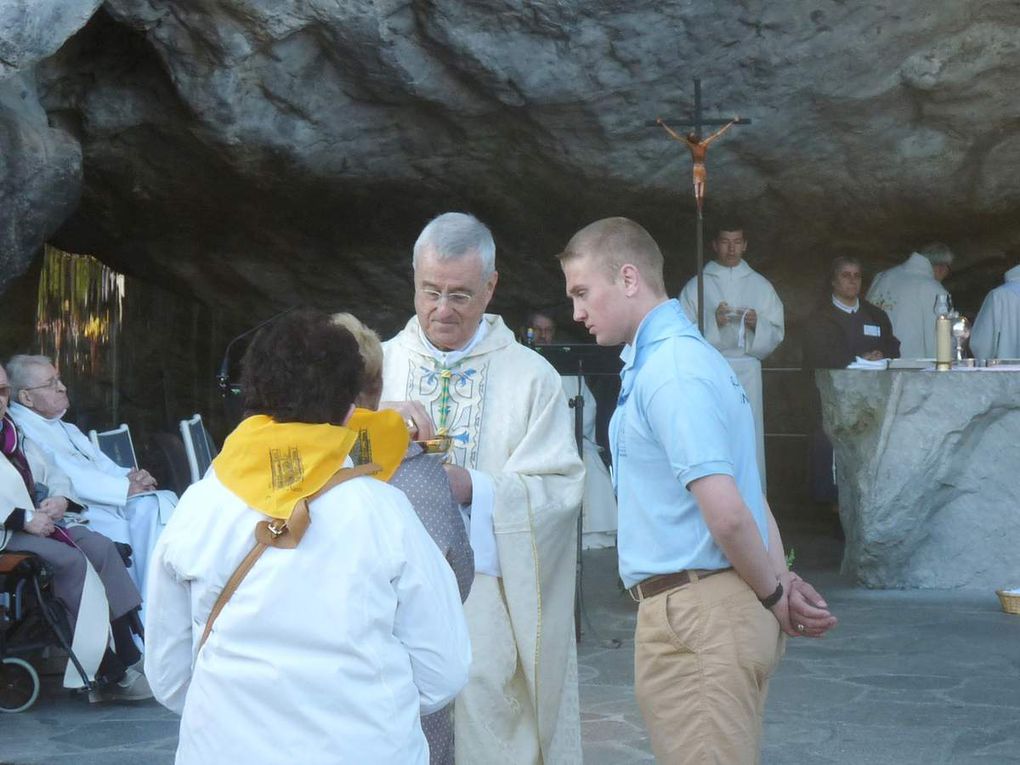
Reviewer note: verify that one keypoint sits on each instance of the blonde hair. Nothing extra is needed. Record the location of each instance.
(369, 346)
(615, 242)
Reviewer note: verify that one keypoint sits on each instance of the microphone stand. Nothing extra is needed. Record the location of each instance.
(229, 392)
(563, 357)
(223, 376)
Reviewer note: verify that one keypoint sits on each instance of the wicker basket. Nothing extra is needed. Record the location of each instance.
(1010, 601)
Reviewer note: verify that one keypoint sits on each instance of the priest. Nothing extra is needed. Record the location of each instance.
(121, 503)
(907, 294)
(743, 318)
(515, 472)
(996, 332)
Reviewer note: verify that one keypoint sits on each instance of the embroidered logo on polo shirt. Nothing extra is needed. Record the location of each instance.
(736, 384)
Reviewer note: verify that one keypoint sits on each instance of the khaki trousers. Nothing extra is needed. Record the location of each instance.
(703, 656)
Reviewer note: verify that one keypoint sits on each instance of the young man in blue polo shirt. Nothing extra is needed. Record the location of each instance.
(698, 546)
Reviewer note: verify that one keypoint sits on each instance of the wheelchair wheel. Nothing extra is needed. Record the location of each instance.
(19, 685)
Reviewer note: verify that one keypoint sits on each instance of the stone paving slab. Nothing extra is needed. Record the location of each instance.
(925, 677)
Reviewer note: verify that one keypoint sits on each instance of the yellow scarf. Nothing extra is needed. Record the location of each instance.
(382, 438)
(272, 465)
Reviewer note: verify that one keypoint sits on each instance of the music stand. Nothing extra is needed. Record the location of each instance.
(582, 359)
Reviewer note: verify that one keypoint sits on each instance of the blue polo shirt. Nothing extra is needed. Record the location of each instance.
(681, 416)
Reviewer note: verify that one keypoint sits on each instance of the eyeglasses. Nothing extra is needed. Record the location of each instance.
(52, 383)
(454, 299)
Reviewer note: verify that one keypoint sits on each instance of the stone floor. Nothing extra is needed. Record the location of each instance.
(907, 677)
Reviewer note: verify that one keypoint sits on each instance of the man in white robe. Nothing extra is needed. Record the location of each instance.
(121, 503)
(515, 470)
(996, 332)
(598, 508)
(743, 318)
(907, 293)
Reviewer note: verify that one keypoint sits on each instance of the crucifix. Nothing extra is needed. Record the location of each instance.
(698, 147)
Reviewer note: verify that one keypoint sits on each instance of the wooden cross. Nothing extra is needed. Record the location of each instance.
(698, 148)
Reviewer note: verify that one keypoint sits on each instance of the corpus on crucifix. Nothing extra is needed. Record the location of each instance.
(698, 148)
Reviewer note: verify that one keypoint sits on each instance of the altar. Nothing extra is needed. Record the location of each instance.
(928, 470)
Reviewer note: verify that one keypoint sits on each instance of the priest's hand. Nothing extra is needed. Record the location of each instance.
(53, 507)
(809, 613)
(41, 525)
(751, 319)
(873, 355)
(419, 424)
(720, 314)
(460, 483)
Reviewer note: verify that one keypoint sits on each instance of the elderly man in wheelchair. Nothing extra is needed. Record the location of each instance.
(88, 576)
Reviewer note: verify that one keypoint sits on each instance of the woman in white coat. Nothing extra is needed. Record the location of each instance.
(326, 653)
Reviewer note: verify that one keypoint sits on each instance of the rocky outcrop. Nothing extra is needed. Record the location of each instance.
(261, 153)
(40, 167)
(927, 464)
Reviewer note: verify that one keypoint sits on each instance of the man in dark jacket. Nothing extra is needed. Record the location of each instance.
(839, 331)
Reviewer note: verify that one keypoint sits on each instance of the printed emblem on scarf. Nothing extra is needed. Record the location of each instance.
(286, 467)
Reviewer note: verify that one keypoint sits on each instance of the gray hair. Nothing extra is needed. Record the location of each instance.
(17, 371)
(455, 235)
(938, 254)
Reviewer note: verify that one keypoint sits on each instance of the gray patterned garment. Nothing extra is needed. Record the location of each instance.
(422, 478)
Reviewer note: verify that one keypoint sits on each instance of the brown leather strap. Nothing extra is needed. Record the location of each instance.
(654, 585)
(281, 534)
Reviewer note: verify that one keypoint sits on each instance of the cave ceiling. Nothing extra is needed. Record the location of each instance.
(261, 154)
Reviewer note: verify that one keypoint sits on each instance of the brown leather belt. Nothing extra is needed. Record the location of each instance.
(654, 585)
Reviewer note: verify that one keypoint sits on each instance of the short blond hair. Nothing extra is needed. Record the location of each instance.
(614, 242)
(369, 346)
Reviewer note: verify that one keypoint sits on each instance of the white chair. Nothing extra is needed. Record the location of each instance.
(117, 445)
(198, 445)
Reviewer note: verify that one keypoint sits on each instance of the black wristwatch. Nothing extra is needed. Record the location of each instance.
(772, 599)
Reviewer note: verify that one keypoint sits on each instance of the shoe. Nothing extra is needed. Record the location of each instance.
(132, 687)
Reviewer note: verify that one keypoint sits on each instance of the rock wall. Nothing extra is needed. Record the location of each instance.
(260, 153)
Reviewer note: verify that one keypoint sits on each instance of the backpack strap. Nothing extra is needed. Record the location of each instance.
(282, 534)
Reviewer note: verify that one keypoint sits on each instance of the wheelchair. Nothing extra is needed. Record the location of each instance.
(31, 619)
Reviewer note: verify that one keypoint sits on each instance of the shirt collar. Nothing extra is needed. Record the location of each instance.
(847, 309)
(665, 320)
(449, 358)
(23, 411)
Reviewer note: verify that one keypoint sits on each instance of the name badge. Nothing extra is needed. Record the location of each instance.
(872, 330)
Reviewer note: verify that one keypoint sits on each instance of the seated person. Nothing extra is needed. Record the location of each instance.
(843, 328)
(75, 555)
(422, 479)
(120, 502)
(341, 636)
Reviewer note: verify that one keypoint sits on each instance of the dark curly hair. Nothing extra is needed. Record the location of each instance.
(302, 368)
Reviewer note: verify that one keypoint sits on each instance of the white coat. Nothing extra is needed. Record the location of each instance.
(907, 293)
(326, 654)
(996, 332)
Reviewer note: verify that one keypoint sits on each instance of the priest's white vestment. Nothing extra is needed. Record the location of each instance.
(741, 287)
(996, 332)
(598, 508)
(503, 405)
(907, 293)
(101, 485)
